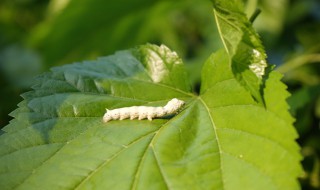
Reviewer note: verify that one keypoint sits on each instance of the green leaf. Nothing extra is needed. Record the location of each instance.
(222, 139)
(242, 44)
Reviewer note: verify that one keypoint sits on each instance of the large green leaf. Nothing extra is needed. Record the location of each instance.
(222, 139)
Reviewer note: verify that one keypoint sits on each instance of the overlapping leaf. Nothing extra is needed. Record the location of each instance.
(242, 44)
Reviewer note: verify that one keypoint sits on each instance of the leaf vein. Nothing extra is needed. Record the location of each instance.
(106, 162)
(217, 139)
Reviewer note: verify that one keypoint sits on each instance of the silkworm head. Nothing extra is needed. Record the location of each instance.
(174, 105)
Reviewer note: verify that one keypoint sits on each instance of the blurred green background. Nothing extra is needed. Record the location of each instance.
(38, 34)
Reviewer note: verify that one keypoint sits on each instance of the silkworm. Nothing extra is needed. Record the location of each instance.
(143, 112)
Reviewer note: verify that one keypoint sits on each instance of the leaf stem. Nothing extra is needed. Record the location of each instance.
(255, 15)
(298, 62)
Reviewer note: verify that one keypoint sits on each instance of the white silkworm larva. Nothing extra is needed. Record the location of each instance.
(143, 112)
